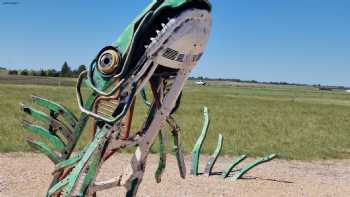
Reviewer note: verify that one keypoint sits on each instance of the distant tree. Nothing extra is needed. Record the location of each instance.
(13, 72)
(53, 73)
(81, 68)
(3, 68)
(33, 73)
(66, 71)
(42, 73)
(24, 72)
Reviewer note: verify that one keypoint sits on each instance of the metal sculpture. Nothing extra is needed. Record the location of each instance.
(196, 151)
(229, 168)
(214, 157)
(252, 165)
(161, 46)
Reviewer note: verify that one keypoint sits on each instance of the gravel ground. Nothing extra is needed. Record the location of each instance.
(29, 175)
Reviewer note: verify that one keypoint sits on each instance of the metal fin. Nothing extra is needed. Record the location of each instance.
(54, 140)
(40, 146)
(57, 108)
(56, 125)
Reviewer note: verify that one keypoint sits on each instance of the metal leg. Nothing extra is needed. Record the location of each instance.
(162, 156)
(176, 132)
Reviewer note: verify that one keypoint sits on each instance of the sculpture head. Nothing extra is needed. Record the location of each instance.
(144, 49)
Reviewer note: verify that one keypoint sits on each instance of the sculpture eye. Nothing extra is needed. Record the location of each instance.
(108, 61)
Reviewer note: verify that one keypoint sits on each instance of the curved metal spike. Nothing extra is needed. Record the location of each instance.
(252, 165)
(198, 146)
(57, 108)
(45, 150)
(70, 162)
(234, 164)
(54, 140)
(213, 158)
(56, 125)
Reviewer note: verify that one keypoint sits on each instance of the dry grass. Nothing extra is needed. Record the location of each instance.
(294, 122)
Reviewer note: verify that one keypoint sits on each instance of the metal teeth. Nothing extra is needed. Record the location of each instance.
(157, 31)
(152, 39)
(163, 25)
(146, 46)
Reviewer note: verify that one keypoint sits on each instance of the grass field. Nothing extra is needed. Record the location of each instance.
(294, 122)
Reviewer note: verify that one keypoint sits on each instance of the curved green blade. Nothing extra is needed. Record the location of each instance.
(213, 158)
(92, 148)
(144, 98)
(198, 146)
(253, 165)
(56, 125)
(232, 165)
(70, 162)
(162, 157)
(57, 108)
(57, 187)
(54, 140)
(45, 150)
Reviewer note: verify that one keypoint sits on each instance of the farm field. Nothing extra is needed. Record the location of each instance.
(299, 123)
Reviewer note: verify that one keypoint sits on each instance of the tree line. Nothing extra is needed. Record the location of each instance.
(65, 71)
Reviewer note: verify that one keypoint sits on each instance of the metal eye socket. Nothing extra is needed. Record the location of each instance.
(108, 61)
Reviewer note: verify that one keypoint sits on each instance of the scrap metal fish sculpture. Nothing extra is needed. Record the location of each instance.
(161, 46)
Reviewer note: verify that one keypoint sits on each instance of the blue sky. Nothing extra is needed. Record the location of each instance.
(303, 41)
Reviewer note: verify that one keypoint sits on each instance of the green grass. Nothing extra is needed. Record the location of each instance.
(294, 122)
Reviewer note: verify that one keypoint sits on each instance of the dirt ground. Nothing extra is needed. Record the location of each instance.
(29, 175)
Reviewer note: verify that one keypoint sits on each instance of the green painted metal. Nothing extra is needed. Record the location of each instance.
(92, 170)
(198, 146)
(93, 147)
(83, 118)
(57, 187)
(44, 133)
(57, 109)
(124, 42)
(144, 98)
(44, 118)
(43, 148)
(162, 157)
(213, 158)
(252, 165)
(179, 154)
(229, 168)
(133, 187)
(69, 162)
(40, 116)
